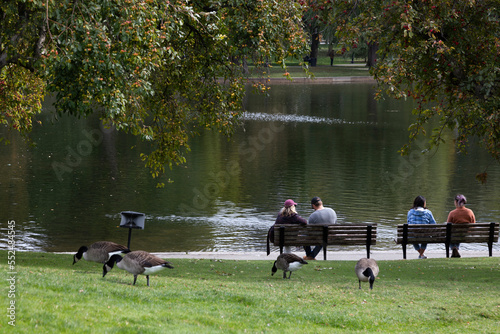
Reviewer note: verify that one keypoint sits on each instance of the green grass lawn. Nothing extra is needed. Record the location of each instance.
(319, 71)
(342, 67)
(209, 296)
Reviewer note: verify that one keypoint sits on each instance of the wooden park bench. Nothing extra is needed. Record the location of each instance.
(325, 235)
(447, 234)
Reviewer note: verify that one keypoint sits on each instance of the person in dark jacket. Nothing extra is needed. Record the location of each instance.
(287, 215)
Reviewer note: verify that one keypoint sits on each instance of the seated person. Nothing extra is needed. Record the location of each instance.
(287, 215)
(419, 214)
(320, 216)
(461, 215)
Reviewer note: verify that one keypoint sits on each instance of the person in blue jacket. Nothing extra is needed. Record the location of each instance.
(419, 214)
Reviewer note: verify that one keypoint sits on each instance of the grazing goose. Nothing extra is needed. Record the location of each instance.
(137, 263)
(366, 270)
(99, 251)
(287, 262)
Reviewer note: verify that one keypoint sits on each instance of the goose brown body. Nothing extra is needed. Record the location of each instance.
(137, 263)
(366, 270)
(99, 251)
(287, 262)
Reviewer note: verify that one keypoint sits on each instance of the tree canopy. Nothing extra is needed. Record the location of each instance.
(445, 54)
(161, 70)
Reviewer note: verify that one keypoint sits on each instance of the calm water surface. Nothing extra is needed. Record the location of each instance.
(332, 141)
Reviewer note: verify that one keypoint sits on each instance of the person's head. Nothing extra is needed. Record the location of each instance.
(419, 202)
(289, 203)
(316, 203)
(460, 200)
(288, 208)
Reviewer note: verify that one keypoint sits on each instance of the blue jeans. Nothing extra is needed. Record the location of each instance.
(421, 246)
(314, 252)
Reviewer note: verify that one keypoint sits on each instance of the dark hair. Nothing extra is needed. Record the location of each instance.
(461, 200)
(315, 201)
(419, 202)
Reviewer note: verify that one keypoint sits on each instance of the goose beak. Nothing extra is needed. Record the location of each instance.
(104, 270)
(371, 283)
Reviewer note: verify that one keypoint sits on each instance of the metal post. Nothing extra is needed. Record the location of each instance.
(129, 236)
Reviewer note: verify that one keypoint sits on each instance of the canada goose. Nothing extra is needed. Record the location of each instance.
(287, 262)
(99, 251)
(366, 270)
(137, 263)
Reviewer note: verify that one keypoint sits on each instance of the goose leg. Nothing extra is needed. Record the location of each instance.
(135, 279)
(290, 275)
(360, 284)
(147, 277)
(284, 274)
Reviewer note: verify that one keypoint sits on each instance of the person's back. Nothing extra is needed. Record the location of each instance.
(420, 216)
(320, 216)
(324, 216)
(293, 219)
(461, 215)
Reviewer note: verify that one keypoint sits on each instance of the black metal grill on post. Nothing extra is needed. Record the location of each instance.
(132, 220)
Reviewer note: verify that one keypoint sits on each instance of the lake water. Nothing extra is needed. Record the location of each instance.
(301, 141)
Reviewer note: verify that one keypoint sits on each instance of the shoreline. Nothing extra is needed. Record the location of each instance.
(315, 80)
(331, 256)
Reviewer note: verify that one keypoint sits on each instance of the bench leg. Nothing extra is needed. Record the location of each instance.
(491, 237)
(405, 240)
(324, 252)
(368, 240)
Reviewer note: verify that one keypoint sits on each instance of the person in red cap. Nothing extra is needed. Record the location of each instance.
(287, 215)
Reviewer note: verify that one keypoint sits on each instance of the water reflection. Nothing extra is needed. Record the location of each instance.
(332, 141)
(259, 116)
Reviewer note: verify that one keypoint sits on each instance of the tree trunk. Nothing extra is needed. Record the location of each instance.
(314, 49)
(372, 54)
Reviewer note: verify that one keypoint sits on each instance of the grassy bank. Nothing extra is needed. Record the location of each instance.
(342, 67)
(319, 71)
(208, 296)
